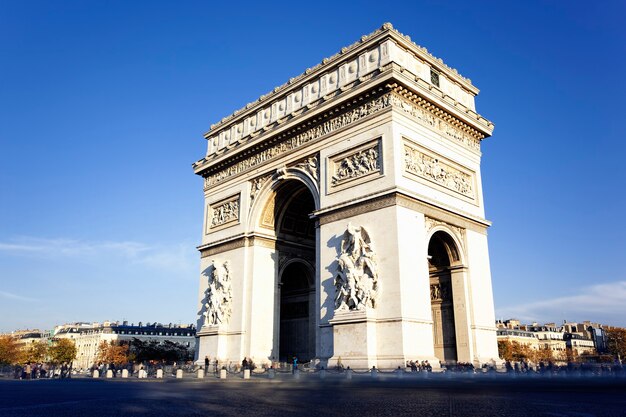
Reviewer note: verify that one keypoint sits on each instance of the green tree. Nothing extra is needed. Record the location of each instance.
(62, 351)
(9, 351)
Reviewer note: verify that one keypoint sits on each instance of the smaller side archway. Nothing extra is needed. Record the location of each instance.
(443, 256)
(297, 312)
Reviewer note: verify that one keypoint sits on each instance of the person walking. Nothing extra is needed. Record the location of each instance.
(295, 365)
(206, 363)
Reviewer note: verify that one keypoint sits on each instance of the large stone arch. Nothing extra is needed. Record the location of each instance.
(269, 184)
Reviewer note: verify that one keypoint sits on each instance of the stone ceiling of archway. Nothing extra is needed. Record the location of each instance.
(287, 212)
(442, 250)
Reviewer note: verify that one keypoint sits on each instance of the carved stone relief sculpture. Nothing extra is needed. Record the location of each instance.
(256, 186)
(311, 166)
(300, 139)
(436, 169)
(356, 280)
(224, 212)
(360, 163)
(439, 292)
(219, 297)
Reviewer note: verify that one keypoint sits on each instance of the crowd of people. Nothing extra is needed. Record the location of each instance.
(41, 370)
(582, 368)
(417, 366)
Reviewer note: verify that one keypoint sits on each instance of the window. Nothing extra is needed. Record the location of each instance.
(434, 77)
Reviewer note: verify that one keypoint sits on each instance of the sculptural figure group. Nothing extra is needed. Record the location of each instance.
(356, 281)
(219, 295)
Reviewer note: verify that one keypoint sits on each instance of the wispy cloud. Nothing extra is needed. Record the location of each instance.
(175, 257)
(597, 302)
(70, 247)
(12, 296)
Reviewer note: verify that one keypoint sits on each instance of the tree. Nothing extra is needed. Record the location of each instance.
(36, 352)
(9, 351)
(152, 350)
(543, 354)
(616, 342)
(514, 351)
(62, 351)
(505, 350)
(115, 353)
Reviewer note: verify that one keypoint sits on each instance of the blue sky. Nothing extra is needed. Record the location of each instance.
(103, 105)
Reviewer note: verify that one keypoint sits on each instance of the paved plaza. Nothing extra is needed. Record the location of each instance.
(310, 396)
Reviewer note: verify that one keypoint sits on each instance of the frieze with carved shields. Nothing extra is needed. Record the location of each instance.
(300, 139)
(356, 280)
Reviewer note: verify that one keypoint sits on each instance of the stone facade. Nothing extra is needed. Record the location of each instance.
(88, 336)
(348, 207)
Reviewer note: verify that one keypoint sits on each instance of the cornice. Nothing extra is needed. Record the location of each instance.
(332, 77)
(395, 196)
(284, 131)
(441, 105)
(374, 96)
(345, 53)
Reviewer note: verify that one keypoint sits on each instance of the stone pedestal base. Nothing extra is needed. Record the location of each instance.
(354, 339)
(213, 340)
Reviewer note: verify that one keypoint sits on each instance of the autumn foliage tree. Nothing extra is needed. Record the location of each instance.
(515, 351)
(616, 341)
(36, 352)
(9, 351)
(543, 354)
(115, 353)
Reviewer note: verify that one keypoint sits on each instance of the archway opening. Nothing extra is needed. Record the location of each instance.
(295, 314)
(295, 245)
(442, 255)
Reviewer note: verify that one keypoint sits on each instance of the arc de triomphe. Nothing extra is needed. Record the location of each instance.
(344, 218)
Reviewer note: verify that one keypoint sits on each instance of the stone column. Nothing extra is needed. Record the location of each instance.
(462, 318)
